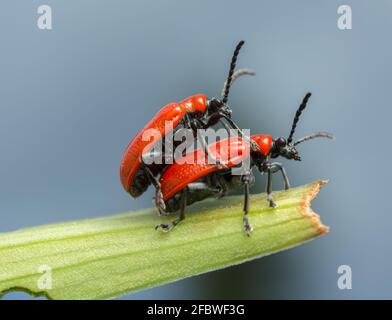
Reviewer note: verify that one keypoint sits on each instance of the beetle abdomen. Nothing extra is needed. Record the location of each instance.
(173, 204)
(140, 184)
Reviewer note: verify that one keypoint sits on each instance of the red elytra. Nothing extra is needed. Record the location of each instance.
(174, 112)
(231, 151)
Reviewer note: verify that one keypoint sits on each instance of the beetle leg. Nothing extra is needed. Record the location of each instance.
(211, 158)
(275, 167)
(225, 126)
(167, 227)
(269, 187)
(158, 199)
(194, 125)
(247, 226)
(187, 121)
(253, 144)
(160, 203)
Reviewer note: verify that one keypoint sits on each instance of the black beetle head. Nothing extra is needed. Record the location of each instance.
(284, 149)
(215, 106)
(287, 148)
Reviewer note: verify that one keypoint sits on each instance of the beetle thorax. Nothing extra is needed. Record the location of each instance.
(264, 142)
(196, 103)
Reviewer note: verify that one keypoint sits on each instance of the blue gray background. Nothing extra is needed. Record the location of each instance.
(72, 98)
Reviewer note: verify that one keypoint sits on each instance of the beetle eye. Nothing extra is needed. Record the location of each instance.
(280, 142)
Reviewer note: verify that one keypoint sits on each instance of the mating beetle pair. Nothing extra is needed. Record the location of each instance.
(195, 112)
(185, 182)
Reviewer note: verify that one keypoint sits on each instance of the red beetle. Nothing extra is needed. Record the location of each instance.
(185, 183)
(194, 112)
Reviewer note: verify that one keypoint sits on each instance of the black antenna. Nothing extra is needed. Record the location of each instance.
(318, 134)
(297, 115)
(238, 73)
(231, 71)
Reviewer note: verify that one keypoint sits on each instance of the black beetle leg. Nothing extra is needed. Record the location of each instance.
(247, 226)
(167, 227)
(225, 126)
(195, 125)
(275, 167)
(269, 186)
(253, 144)
(211, 158)
(158, 199)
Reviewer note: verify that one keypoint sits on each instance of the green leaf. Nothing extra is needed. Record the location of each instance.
(107, 257)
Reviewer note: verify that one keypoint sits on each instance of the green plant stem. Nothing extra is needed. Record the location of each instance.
(107, 257)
